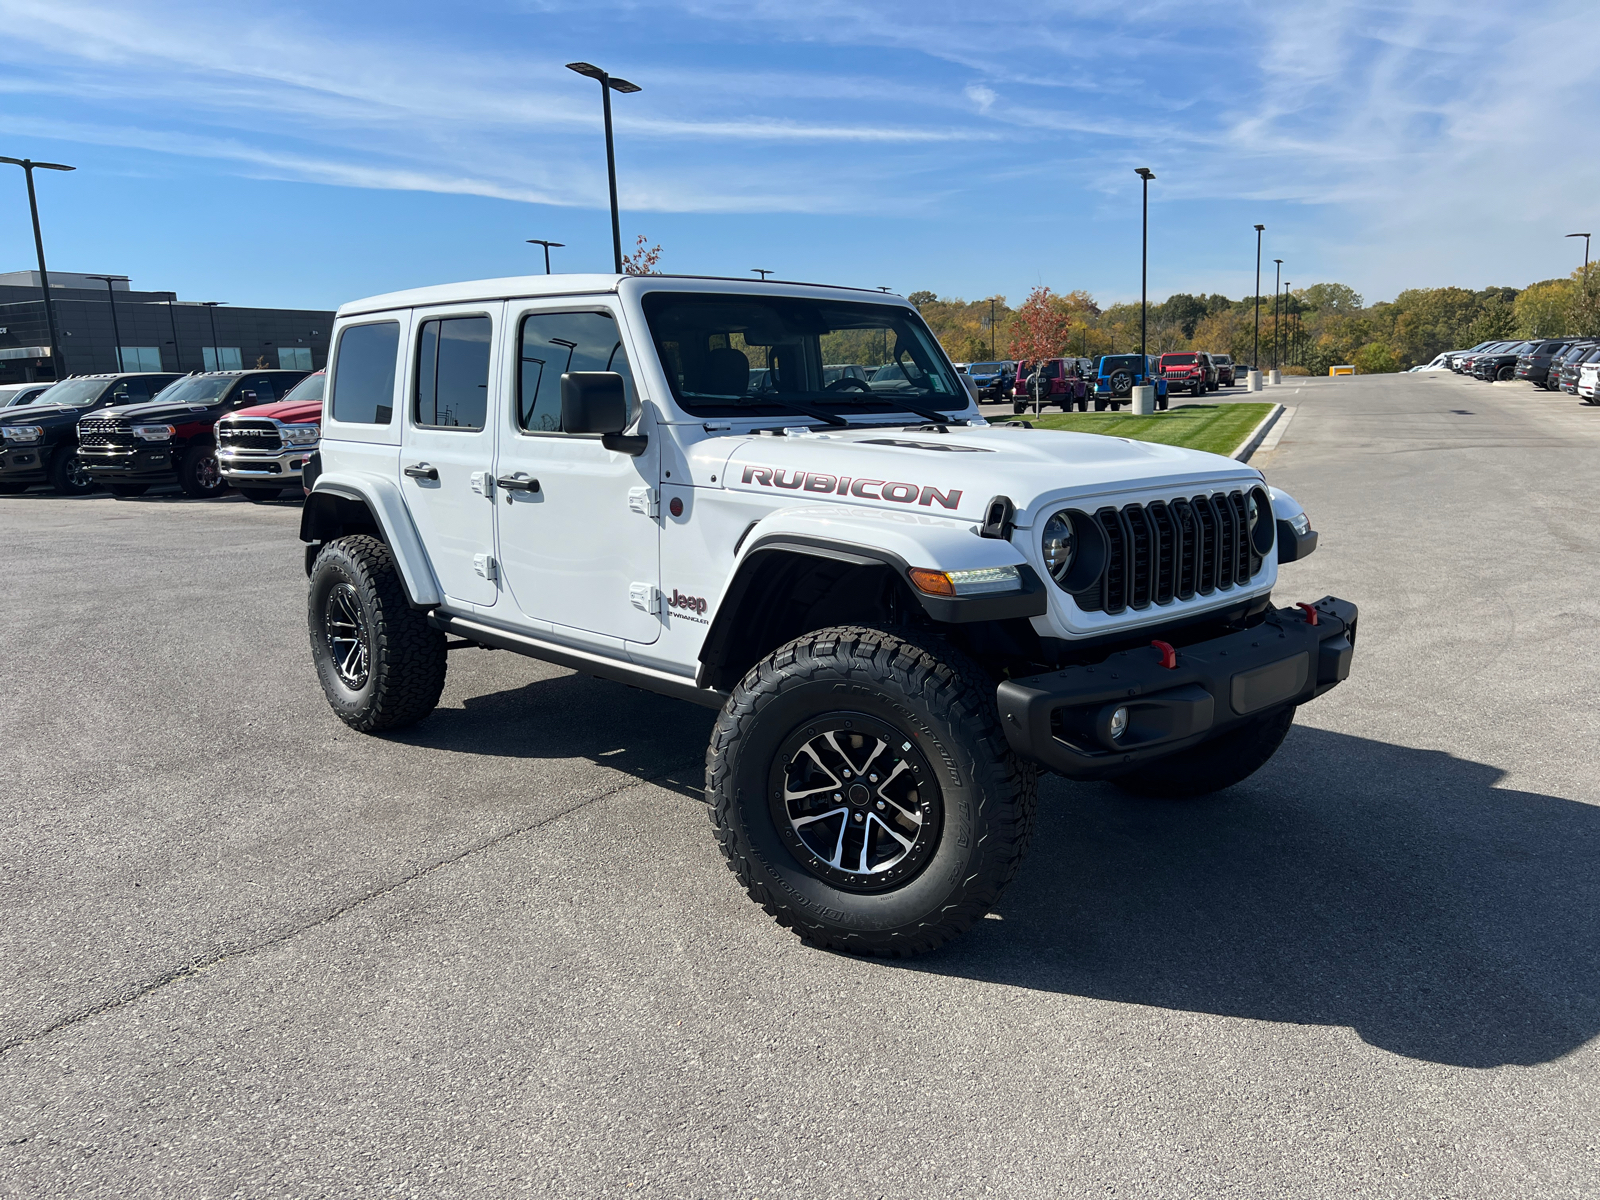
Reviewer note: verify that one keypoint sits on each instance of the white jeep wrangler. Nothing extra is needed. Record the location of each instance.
(779, 500)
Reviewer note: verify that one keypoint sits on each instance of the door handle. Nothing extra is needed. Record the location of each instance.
(516, 483)
(423, 471)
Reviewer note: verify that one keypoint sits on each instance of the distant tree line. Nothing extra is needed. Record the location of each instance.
(1316, 326)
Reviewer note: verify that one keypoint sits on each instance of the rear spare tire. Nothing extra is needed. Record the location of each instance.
(380, 663)
(863, 792)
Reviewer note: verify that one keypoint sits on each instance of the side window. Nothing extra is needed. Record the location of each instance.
(453, 373)
(553, 344)
(361, 384)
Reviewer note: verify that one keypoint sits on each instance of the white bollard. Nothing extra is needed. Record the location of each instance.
(1277, 376)
(1144, 400)
(1253, 381)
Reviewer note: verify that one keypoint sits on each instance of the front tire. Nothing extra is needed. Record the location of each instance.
(1214, 765)
(199, 475)
(380, 663)
(68, 475)
(895, 860)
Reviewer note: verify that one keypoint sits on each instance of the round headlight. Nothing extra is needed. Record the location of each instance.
(1255, 510)
(1058, 546)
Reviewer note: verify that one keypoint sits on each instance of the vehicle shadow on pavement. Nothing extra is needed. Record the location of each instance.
(1351, 882)
(578, 716)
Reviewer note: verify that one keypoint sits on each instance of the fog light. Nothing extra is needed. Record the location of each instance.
(1119, 722)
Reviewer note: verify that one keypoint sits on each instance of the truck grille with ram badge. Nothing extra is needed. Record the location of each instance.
(249, 433)
(96, 433)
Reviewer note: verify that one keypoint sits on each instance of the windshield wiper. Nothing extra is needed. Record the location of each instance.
(927, 414)
(804, 409)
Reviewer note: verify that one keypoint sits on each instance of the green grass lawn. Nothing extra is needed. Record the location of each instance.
(1214, 427)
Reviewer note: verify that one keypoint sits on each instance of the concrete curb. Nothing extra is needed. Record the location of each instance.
(1246, 448)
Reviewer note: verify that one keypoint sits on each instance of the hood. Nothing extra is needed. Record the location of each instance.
(290, 412)
(955, 474)
(47, 415)
(155, 410)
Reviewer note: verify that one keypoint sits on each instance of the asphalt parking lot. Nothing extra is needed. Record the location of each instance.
(251, 953)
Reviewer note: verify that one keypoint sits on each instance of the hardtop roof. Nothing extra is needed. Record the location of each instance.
(537, 286)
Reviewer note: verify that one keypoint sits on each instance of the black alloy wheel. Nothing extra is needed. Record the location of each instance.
(855, 801)
(1121, 383)
(345, 631)
(68, 475)
(199, 474)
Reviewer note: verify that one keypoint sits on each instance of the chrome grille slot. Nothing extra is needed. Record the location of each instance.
(251, 433)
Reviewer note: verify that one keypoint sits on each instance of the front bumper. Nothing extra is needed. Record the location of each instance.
(246, 467)
(23, 463)
(1061, 719)
(155, 461)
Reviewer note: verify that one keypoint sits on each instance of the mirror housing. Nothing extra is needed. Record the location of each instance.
(597, 402)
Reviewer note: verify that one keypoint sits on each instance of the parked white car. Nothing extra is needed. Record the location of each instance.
(902, 612)
(1589, 382)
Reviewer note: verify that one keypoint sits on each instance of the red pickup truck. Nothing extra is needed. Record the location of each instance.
(261, 450)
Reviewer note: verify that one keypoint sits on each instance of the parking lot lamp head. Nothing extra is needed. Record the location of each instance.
(761, 271)
(111, 297)
(1585, 238)
(1146, 174)
(57, 364)
(546, 245)
(609, 84)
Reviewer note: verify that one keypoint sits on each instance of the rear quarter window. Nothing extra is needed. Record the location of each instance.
(361, 382)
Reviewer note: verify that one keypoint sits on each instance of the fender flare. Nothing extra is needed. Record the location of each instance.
(386, 507)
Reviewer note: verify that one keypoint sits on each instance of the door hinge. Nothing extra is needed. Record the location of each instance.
(485, 565)
(646, 597)
(483, 483)
(644, 500)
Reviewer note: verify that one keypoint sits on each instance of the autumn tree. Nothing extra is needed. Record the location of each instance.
(1041, 327)
(643, 260)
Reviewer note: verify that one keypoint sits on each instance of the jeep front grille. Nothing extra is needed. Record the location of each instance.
(250, 433)
(97, 432)
(1173, 550)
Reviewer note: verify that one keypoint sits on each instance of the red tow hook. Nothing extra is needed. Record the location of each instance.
(1169, 656)
(1311, 613)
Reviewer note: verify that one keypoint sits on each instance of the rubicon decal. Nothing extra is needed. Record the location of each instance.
(843, 485)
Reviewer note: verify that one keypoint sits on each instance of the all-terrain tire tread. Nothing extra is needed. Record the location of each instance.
(409, 658)
(951, 686)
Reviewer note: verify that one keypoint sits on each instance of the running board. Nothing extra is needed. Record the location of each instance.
(647, 678)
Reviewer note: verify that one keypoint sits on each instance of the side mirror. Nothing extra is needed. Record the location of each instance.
(593, 402)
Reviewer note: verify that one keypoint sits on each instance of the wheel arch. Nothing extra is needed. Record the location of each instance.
(341, 505)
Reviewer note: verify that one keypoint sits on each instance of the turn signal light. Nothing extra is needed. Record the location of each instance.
(980, 581)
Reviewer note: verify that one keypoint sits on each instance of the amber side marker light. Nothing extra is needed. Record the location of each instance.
(981, 581)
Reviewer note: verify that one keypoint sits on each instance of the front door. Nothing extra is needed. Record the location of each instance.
(447, 456)
(582, 552)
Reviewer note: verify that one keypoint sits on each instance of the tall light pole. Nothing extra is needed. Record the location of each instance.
(1288, 342)
(1255, 357)
(608, 84)
(1585, 238)
(991, 326)
(27, 164)
(546, 245)
(1277, 276)
(1147, 175)
(761, 271)
(111, 295)
(216, 350)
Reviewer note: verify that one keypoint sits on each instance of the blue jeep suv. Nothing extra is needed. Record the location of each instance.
(1119, 374)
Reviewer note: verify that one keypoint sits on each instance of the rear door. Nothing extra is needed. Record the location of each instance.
(581, 551)
(447, 451)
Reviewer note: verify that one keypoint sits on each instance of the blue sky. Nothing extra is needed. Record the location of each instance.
(300, 155)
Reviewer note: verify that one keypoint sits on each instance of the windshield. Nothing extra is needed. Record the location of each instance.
(77, 392)
(1179, 360)
(1120, 362)
(726, 355)
(309, 388)
(985, 368)
(197, 389)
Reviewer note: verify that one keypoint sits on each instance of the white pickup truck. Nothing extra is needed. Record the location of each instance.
(902, 612)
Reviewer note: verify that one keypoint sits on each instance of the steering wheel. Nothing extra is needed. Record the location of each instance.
(847, 383)
(1121, 382)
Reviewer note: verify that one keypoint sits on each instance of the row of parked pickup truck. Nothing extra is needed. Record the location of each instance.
(1108, 381)
(207, 432)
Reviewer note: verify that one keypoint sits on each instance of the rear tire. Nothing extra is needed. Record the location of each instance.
(1214, 765)
(127, 491)
(260, 495)
(199, 475)
(878, 867)
(380, 663)
(68, 476)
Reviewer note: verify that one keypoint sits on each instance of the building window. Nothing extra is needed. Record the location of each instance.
(222, 358)
(141, 358)
(294, 358)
